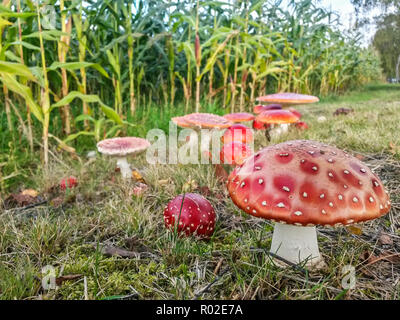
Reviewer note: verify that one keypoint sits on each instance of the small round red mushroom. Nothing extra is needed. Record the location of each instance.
(301, 125)
(190, 214)
(68, 183)
(238, 132)
(234, 153)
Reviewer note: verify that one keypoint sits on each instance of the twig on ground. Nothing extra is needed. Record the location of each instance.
(295, 266)
(208, 287)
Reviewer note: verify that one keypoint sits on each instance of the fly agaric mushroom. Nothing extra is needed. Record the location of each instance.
(288, 98)
(121, 148)
(295, 112)
(281, 117)
(239, 117)
(181, 122)
(260, 108)
(301, 125)
(238, 132)
(68, 183)
(208, 121)
(300, 184)
(234, 153)
(258, 125)
(190, 214)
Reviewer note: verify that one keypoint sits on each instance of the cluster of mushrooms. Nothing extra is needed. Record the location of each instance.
(296, 184)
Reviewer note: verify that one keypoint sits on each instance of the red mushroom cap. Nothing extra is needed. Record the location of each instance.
(195, 215)
(295, 112)
(238, 132)
(288, 98)
(277, 117)
(239, 117)
(260, 108)
(208, 121)
(234, 153)
(258, 125)
(68, 183)
(308, 183)
(181, 122)
(301, 125)
(123, 146)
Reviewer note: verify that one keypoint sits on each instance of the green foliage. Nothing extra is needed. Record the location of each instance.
(129, 56)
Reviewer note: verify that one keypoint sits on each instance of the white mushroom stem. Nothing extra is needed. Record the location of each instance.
(123, 165)
(278, 130)
(284, 127)
(296, 244)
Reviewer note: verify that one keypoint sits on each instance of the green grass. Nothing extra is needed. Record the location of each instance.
(102, 211)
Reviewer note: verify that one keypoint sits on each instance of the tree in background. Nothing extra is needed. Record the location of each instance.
(387, 37)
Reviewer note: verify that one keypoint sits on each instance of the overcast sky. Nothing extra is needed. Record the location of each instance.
(347, 15)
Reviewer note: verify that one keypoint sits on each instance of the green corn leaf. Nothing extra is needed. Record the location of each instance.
(84, 117)
(17, 69)
(78, 65)
(89, 98)
(76, 135)
(51, 35)
(113, 63)
(24, 91)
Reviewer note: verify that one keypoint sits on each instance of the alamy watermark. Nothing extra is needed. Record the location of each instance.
(348, 277)
(191, 146)
(49, 278)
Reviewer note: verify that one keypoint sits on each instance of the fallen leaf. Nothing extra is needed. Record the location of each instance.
(109, 250)
(205, 191)
(343, 111)
(367, 256)
(221, 173)
(136, 175)
(190, 185)
(30, 192)
(19, 200)
(57, 202)
(135, 244)
(394, 149)
(360, 157)
(218, 266)
(69, 277)
(385, 239)
(354, 230)
(163, 182)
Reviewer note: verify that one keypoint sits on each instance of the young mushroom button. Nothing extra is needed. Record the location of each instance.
(190, 214)
(302, 183)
